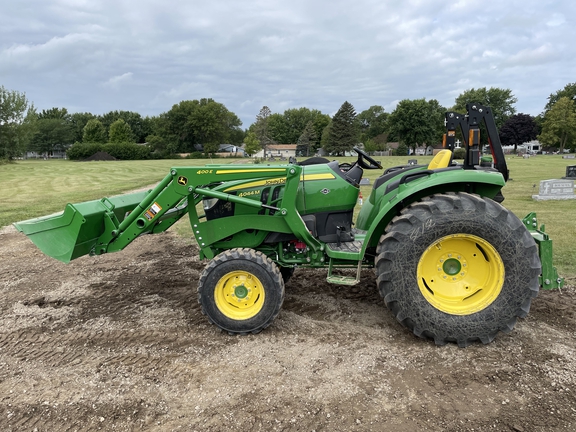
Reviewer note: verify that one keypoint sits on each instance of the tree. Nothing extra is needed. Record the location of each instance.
(343, 135)
(370, 146)
(199, 122)
(325, 138)
(416, 122)
(296, 120)
(518, 129)
(288, 127)
(438, 113)
(321, 122)
(276, 131)
(54, 113)
(138, 126)
(568, 91)
(94, 132)
(306, 139)
(174, 128)
(120, 132)
(372, 122)
(17, 119)
(78, 121)
(236, 136)
(160, 145)
(500, 100)
(51, 135)
(53, 131)
(251, 144)
(156, 143)
(262, 128)
(212, 124)
(559, 127)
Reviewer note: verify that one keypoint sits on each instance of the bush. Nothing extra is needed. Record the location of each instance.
(459, 153)
(200, 155)
(402, 150)
(126, 151)
(120, 151)
(81, 151)
(196, 155)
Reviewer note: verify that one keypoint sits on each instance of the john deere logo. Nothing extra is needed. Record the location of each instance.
(182, 181)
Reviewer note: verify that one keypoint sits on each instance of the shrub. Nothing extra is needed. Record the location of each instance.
(195, 155)
(459, 153)
(402, 150)
(81, 151)
(126, 151)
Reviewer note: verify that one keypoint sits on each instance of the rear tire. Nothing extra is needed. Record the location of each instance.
(457, 268)
(241, 291)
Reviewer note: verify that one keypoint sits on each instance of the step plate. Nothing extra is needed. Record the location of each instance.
(351, 247)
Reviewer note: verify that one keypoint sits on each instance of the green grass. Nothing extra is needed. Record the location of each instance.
(35, 188)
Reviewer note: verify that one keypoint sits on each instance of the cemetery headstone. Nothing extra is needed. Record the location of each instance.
(555, 189)
(570, 172)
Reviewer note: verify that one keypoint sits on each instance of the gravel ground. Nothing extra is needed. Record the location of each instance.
(118, 342)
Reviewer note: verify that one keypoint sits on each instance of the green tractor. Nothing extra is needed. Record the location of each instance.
(451, 263)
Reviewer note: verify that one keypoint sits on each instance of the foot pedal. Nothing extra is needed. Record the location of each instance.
(343, 280)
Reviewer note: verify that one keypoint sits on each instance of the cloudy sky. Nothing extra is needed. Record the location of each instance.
(145, 56)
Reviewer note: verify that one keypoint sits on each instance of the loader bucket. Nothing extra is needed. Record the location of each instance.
(75, 231)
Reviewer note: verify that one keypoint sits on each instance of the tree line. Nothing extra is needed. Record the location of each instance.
(194, 126)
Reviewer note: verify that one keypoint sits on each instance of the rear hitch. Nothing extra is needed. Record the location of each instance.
(549, 278)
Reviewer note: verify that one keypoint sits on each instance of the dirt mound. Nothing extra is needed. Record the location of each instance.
(99, 156)
(118, 342)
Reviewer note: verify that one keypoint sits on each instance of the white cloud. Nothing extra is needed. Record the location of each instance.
(541, 55)
(556, 20)
(149, 55)
(119, 80)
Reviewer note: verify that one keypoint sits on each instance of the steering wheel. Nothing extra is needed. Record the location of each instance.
(372, 163)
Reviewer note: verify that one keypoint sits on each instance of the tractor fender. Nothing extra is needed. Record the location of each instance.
(388, 200)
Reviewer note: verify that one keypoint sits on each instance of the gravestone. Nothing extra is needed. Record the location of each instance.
(570, 172)
(364, 181)
(568, 156)
(555, 189)
(412, 161)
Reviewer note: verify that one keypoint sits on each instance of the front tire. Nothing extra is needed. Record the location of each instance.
(241, 291)
(457, 268)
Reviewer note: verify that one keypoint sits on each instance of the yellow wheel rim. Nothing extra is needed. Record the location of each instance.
(239, 295)
(460, 274)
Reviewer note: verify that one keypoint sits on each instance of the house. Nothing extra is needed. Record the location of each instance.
(55, 154)
(531, 147)
(278, 151)
(230, 150)
(224, 150)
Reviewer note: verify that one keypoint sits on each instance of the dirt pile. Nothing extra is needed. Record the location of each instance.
(118, 342)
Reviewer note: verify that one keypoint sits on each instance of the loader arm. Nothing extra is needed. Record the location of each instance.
(111, 224)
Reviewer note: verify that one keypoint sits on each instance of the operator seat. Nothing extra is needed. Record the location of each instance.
(441, 160)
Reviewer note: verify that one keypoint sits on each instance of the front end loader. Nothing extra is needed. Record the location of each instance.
(451, 262)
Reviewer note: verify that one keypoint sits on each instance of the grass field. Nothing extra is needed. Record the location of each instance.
(35, 188)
